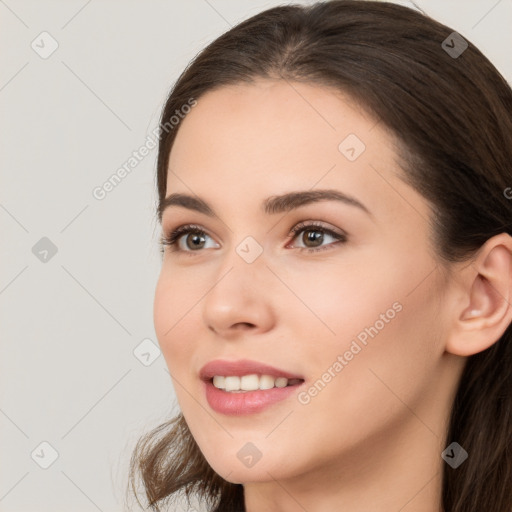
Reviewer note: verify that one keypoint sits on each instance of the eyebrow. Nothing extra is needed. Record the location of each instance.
(272, 205)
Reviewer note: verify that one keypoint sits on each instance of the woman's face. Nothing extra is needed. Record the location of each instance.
(352, 305)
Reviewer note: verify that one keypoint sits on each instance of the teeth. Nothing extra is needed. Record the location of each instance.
(232, 383)
(219, 382)
(281, 382)
(250, 382)
(267, 382)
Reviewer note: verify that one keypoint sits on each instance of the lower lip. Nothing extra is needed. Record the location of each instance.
(248, 402)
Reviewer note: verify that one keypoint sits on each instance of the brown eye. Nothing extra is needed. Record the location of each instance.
(314, 237)
(194, 241)
(188, 239)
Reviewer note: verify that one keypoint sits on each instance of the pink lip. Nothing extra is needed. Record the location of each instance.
(248, 402)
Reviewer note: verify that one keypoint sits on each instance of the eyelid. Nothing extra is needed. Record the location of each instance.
(302, 225)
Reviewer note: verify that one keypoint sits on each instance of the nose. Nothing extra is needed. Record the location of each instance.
(240, 299)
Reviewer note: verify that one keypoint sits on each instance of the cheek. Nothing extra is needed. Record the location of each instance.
(374, 318)
(337, 304)
(362, 378)
(173, 311)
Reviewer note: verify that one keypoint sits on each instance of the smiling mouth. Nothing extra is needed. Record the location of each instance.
(251, 382)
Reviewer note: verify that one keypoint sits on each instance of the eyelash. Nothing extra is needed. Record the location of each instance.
(172, 238)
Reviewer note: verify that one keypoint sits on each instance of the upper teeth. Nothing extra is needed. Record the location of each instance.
(249, 382)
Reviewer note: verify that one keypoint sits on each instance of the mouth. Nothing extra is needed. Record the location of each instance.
(246, 375)
(246, 387)
(252, 382)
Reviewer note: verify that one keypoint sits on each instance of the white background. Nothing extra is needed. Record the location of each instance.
(69, 326)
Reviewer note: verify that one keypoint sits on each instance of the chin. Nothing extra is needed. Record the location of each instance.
(237, 467)
(246, 475)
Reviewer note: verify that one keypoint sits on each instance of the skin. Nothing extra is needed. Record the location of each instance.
(372, 438)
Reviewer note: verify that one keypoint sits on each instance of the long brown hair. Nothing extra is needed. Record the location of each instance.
(451, 110)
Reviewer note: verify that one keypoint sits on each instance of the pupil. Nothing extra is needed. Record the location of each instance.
(197, 239)
(313, 236)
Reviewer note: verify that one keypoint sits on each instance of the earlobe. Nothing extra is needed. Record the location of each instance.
(487, 297)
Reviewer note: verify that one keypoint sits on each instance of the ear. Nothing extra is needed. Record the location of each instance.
(484, 309)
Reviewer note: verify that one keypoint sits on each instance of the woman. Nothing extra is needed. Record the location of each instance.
(334, 300)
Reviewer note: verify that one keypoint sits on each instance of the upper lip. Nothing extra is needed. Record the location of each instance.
(240, 368)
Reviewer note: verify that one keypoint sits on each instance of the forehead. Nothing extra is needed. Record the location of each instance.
(271, 125)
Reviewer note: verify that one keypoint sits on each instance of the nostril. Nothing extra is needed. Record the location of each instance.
(244, 325)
